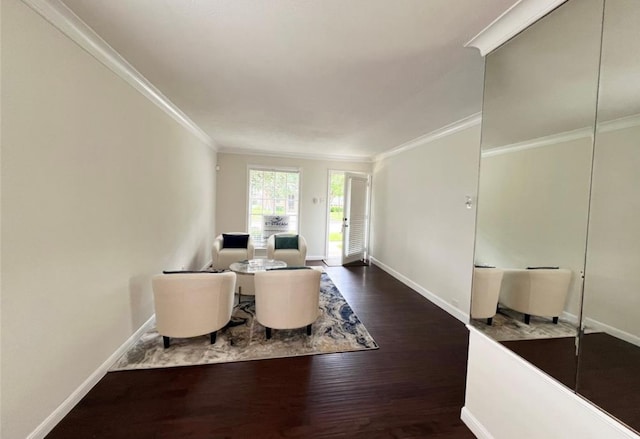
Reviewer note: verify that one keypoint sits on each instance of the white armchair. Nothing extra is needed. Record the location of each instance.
(192, 304)
(294, 257)
(222, 257)
(485, 293)
(287, 299)
(540, 292)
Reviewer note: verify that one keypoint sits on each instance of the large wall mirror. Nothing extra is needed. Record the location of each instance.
(538, 121)
(557, 276)
(609, 360)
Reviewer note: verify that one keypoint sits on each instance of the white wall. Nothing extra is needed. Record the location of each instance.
(232, 180)
(100, 190)
(611, 298)
(422, 231)
(533, 206)
(508, 398)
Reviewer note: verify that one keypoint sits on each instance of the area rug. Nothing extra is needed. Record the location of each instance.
(509, 325)
(337, 329)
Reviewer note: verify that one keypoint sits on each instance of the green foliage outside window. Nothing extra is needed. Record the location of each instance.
(272, 192)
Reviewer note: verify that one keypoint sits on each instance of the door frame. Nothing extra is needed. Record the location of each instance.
(365, 252)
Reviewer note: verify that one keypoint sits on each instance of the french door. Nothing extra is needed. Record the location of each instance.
(356, 217)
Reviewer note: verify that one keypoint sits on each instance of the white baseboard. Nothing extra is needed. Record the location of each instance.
(315, 258)
(474, 425)
(63, 409)
(568, 317)
(457, 313)
(611, 330)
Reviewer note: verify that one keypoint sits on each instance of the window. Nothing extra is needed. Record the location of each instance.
(273, 203)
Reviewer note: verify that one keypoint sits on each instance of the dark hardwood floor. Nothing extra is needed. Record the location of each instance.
(554, 356)
(609, 376)
(412, 387)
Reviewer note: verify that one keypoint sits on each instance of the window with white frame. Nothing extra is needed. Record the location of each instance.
(273, 203)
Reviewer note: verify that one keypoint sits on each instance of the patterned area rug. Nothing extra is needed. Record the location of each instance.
(509, 325)
(337, 329)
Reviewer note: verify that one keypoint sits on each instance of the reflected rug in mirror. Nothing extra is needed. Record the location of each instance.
(509, 325)
(337, 329)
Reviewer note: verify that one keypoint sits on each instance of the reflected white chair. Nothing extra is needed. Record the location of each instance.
(287, 299)
(485, 293)
(192, 304)
(294, 257)
(222, 257)
(539, 292)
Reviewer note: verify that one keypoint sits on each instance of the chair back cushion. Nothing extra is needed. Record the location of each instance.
(485, 292)
(540, 292)
(192, 304)
(291, 267)
(287, 299)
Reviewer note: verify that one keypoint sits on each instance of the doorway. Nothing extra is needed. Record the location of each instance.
(347, 218)
(335, 218)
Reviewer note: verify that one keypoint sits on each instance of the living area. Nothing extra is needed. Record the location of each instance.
(130, 131)
(244, 308)
(110, 216)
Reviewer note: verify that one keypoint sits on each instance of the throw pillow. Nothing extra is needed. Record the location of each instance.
(284, 242)
(235, 241)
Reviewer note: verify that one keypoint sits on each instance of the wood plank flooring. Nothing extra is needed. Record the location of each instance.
(554, 356)
(608, 375)
(412, 387)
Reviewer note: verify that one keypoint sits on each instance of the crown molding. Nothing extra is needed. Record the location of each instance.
(61, 17)
(553, 139)
(514, 20)
(539, 142)
(445, 131)
(619, 124)
(295, 155)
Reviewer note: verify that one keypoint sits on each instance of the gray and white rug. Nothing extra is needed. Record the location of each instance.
(509, 325)
(337, 329)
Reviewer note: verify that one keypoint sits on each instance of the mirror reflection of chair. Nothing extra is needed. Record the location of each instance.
(192, 304)
(233, 247)
(538, 292)
(485, 293)
(287, 299)
(287, 247)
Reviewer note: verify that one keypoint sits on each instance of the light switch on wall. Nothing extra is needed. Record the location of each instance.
(468, 202)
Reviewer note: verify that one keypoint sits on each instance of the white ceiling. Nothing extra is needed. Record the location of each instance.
(350, 78)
